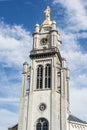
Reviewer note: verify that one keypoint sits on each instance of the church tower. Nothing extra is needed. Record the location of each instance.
(45, 85)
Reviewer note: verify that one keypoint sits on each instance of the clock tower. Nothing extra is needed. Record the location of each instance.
(45, 85)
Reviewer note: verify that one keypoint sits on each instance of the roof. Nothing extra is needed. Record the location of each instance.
(75, 119)
(15, 127)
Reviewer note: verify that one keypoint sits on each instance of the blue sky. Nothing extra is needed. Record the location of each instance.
(17, 21)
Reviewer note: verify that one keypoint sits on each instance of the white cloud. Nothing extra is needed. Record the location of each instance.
(76, 27)
(76, 13)
(15, 44)
(7, 119)
(71, 49)
(9, 100)
(82, 35)
(79, 101)
(79, 81)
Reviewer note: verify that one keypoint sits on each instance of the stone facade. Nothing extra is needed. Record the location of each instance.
(45, 52)
(44, 103)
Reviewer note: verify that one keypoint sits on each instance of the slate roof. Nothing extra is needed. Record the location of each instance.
(15, 127)
(75, 119)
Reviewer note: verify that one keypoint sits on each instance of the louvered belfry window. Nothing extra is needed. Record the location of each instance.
(40, 77)
(48, 76)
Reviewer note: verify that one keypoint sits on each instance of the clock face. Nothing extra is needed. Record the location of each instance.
(43, 41)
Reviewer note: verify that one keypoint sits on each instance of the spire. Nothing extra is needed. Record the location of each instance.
(47, 16)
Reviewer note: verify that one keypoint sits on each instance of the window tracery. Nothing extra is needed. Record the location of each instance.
(42, 124)
(44, 75)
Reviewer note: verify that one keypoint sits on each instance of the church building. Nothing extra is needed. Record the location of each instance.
(44, 103)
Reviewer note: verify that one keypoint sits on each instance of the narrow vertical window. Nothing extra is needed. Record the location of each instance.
(40, 77)
(48, 76)
(45, 126)
(38, 127)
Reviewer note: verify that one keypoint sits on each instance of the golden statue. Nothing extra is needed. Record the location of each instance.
(47, 13)
(47, 16)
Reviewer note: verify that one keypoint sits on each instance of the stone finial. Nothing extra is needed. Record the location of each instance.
(37, 28)
(63, 62)
(53, 25)
(25, 67)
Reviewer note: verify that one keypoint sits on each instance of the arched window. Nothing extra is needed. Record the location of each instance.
(40, 77)
(38, 126)
(42, 124)
(45, 126)
(48, 76)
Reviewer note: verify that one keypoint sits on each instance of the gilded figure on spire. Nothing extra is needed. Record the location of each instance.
(47, 16)
(47, 13)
